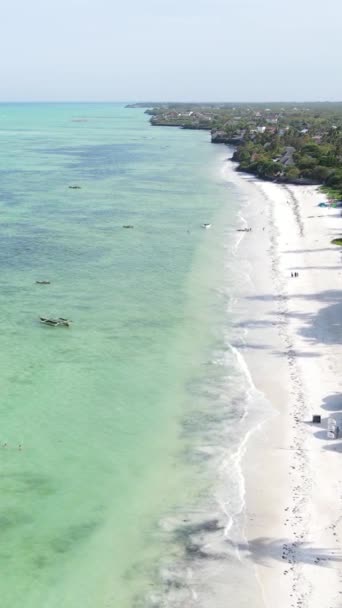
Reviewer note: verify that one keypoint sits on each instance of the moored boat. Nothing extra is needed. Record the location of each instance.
(55, 322)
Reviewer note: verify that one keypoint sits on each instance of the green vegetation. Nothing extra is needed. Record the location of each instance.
(296, 155)
(299, 144)
(337, 242)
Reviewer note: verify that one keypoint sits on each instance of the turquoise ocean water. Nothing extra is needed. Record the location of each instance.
(106, 426)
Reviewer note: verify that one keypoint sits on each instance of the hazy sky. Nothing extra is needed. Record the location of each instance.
(170, 50)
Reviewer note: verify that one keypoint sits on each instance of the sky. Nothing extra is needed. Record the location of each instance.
(163, 50)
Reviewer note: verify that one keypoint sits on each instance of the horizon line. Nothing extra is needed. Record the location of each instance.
(149, 102)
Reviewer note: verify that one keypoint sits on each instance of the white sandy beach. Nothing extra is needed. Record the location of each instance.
(270, 534)
(293, 347)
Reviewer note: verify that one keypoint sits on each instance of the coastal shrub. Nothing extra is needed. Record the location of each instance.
(244, 156)
(292, 172)
(303, 161)
(337, 242)
(318, 173)
(332, 192)
(328, 160)
(313, 150)
(267, 168)
(335, 179)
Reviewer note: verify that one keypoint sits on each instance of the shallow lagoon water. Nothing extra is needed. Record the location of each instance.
(101, 424)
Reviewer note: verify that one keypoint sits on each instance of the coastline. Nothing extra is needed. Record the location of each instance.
(278, 142)
(293, 351)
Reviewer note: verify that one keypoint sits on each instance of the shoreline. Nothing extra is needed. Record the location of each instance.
(292, 519)
(251, 130)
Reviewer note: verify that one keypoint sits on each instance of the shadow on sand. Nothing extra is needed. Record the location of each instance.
(323, 327)
(263, 550)
(333, 403)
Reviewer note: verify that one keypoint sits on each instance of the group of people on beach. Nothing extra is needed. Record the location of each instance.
(294, 274)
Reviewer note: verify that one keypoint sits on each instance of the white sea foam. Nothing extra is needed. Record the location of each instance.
(231, 409)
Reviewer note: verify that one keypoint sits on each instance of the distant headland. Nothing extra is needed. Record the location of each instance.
(286, 142)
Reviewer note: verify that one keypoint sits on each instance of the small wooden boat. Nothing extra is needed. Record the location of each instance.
(43, 282)
(55, 322)
(75, 187)
(128, 226)
(206, 226)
